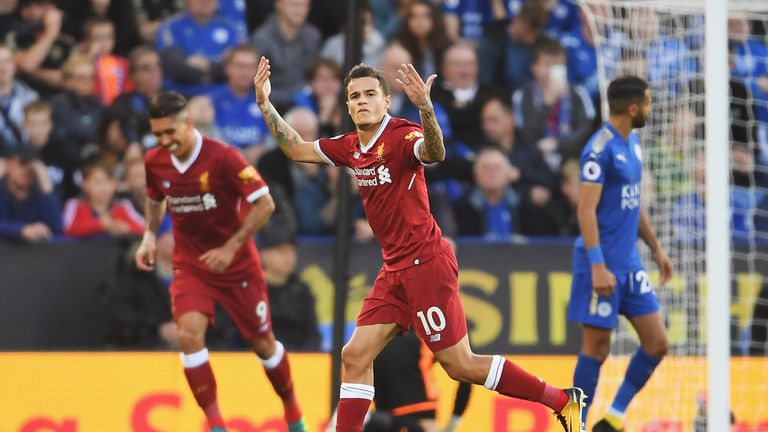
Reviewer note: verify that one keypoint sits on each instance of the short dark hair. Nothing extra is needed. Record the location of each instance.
(547, 46)
(167, 104)
(625, 91)
(534, 14)
(242, 48)
(363, 70)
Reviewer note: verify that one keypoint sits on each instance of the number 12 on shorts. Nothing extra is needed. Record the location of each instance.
(433, 320)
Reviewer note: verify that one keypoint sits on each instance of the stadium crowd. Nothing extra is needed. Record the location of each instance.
(517, 97)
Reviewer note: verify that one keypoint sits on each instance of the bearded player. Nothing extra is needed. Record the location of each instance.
(217, 203)
(418, 284)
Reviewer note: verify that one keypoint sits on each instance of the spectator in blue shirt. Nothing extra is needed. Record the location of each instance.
(563, 15)
(321, 95)
(505, 55)
(467, 19)
(14, 96)
(29, 209)
(192, 45)
(490, 208)
(238, 118)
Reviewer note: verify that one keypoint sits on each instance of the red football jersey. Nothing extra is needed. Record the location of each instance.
(390, 176)
(205, 196)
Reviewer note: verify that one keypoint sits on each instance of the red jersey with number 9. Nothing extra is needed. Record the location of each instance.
(207, 196)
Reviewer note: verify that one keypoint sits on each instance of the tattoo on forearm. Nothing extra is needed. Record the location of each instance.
(433, 136)
(284, 134)
(155, 210)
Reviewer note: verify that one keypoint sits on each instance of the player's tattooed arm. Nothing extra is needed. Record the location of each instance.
(154, 212)
(258, 215)
(433, 149)
(289, 141)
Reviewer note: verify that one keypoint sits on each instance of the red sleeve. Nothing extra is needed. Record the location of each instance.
(154, 192)
(79, 220)
(123, 211)
(332, 150)
(412, 136)
(243, 176)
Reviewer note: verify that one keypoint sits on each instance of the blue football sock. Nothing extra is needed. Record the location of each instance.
(639, 371)
(585, 377)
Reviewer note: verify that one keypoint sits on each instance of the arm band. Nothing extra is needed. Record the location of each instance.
(595, 255)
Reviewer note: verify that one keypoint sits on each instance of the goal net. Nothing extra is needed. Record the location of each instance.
(663, 42)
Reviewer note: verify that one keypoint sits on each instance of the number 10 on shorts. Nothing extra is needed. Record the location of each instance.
(433, 320)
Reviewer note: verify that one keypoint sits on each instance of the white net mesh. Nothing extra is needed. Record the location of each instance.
(662, 41)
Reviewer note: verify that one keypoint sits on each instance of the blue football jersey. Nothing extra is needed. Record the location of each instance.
(211, 39)
(239, 119)
(616, 164)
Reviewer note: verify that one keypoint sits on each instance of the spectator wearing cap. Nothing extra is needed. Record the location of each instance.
(192, 46)
(291, 45)
(14, 96)
(29, 209)
(40, 47)
(292, 304)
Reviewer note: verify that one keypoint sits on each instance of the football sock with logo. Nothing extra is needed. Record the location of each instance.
(278, 371)
(510, 380)
(585, 376)
(201, 381)
(354, 401)
(639, 371)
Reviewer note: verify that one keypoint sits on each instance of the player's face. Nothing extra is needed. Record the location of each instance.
(366, 102)
(641, 113)
(174, 134)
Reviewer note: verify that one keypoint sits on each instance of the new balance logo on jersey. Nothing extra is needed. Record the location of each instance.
(435, 338)
(630, 196)
(384, 175)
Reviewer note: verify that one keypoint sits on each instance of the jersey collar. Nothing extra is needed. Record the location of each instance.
(182, 167)
(617, 135)
(378, 133)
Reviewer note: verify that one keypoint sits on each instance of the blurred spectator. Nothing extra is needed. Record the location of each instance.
(322, 95)
(40, 48)
(238, 117)
(121, 14)
(151, 13)
(203, 114)
(553, 116)
(563, 15)
(14, 96)
(98, 212)
(505, 55)
(147, 76)
(422, 33)
(749, 65)
(461, 94)
(316, 204)
(112, 77)
(7, 17)
(76, 110)
(192, 45)
(490, 208)
(467, 19)
(669, 156)
(670, 64)
(291, 45)
(38, 125)
(234, 11)
(566, 202)
(113, 145)
(135, 184)
(386, 16)
(139, 302)
(29, 209)
(275, 167)
(373, 42)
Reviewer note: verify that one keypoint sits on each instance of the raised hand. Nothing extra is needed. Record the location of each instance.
(261, 81)
(415, 88)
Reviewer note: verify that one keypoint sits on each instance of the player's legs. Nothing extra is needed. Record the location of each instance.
(654, 345)
(191, 331)
(248, 306)
(595, 347)
(357, 373)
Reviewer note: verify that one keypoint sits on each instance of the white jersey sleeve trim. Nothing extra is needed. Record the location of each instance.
(257, 194)
(321, 154)
(416, 148)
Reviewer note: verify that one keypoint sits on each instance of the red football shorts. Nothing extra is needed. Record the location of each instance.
(245, 301)
(425, 296)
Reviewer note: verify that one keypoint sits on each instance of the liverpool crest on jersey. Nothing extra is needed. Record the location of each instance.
(204, 184)
(380, 153)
